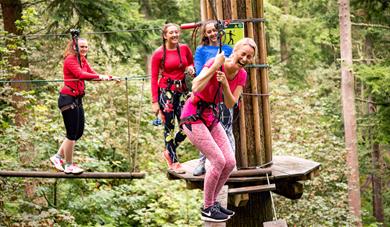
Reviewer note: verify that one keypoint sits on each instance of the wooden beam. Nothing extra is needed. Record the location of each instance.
(239, 200)
(251, 172)
(290, 190)
(251, 189)
(276, 223)
(95, 175)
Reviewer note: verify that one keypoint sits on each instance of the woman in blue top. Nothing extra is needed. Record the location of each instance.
(208, 48)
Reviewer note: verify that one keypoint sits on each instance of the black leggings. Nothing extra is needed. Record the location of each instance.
(73, 115)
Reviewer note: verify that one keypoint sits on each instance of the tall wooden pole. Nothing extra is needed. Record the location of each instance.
(257, 209)
(219, 9)
(203, 10)
(242, 123)
(349, 116)
(253, 79)
(264, 83)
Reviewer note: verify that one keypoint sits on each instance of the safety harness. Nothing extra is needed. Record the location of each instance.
(76, 103)
(201, 106)
(179, 85)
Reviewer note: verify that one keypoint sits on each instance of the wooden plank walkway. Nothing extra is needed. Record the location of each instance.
(283, 168)
(93, 175)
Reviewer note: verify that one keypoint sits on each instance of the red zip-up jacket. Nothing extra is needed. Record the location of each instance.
(72, 71)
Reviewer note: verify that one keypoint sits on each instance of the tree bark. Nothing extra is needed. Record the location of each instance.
(349, 115)
(283, 34)
(377, 201)
(12, 12)
(377, 198)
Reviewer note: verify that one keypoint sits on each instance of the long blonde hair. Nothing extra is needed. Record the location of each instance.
(71, 48)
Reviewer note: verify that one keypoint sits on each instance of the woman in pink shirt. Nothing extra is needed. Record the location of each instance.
(218, 81)
(71, 105)
(168, 64)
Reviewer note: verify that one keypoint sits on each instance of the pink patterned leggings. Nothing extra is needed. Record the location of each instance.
(216, 147)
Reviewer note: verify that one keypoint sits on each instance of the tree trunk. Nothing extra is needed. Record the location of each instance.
(377, 201)
(348, 104)
(283, 34)
(12, 12)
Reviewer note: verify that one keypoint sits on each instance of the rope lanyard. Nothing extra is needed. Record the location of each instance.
(140, 112)
(128, 127)
(272, 201)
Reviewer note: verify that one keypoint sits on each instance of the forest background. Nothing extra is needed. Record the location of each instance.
(303, 52)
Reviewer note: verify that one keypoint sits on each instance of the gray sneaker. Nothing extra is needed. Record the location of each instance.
(199, 170)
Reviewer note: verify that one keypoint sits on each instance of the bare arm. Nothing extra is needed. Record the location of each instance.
(199, 83)
(229, 98)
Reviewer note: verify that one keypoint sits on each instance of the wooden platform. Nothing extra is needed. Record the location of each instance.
(283, 168)
(94, 175)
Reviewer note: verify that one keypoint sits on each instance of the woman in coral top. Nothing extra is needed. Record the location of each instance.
(200, 119)
(169, 64)
(70, 103)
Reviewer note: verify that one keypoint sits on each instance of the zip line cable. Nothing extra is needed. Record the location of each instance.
(87, 33)
(253, 20)
(72, 80)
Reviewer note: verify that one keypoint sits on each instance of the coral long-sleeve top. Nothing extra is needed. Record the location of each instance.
(73, 71)
(172, 69)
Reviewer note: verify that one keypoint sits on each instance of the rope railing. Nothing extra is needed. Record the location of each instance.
(133, 135)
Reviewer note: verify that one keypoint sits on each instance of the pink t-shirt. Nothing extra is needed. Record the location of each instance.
(208, 94)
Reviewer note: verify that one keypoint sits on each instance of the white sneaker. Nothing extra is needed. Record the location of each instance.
(73, 169)
(57, 162)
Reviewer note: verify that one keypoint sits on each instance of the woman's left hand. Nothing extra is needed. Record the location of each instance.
(221, 77)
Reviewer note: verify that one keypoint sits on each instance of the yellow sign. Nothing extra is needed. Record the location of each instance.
(233, 33)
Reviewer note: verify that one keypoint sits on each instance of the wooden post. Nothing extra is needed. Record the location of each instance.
(264, 83)
(256, 211)
(203, 10)
(233, 5)
(243, 142)
(209, 10)
(219, 8)
(255, 100)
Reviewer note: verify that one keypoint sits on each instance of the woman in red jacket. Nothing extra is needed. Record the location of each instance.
(169, 62)
(70, 103)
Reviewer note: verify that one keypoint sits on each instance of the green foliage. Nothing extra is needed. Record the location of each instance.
(303, 126)
(305, 99)
(153, 201)
(310, 30)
